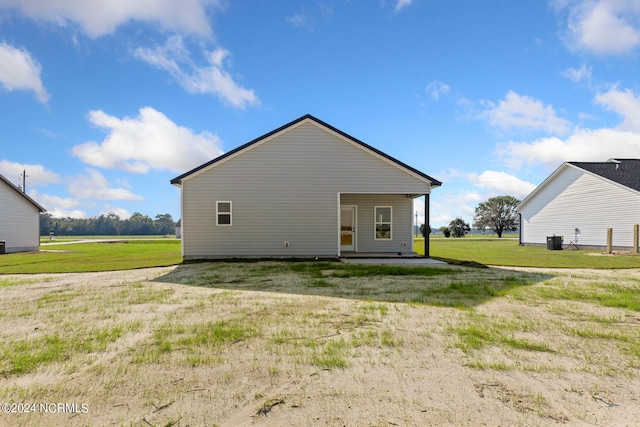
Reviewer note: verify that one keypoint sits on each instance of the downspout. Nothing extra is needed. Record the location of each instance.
(520, 228)
(427, 226)
(182, 219)
(339, 246)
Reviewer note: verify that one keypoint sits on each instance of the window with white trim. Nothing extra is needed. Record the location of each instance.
(382, 222)
(223, 213)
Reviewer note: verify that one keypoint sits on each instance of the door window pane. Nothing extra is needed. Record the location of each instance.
(346, 227)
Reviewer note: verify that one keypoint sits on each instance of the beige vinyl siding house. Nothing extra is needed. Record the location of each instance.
(19, 219)
(304, 190)
(580, 201)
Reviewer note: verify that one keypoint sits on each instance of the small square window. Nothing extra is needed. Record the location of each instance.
(223, 213)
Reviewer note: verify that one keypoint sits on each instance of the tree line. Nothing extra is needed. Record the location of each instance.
(107, 225)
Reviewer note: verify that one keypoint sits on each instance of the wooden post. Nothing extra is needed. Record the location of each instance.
(609, 239)
(427, 226)
(636, 228)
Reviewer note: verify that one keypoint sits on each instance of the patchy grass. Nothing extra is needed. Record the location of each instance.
(431, 285)
(193, 344)
(580, 318)
(22, 356)
(11, 281)
(477, 331)
(206, 343)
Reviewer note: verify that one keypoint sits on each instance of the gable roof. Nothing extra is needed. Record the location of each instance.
(625, 172)
(17, 190)
(622, 171)
(178, 180)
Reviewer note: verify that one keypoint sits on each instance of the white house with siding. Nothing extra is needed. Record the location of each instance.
(580, 201)
(303, 190)
(19, 219)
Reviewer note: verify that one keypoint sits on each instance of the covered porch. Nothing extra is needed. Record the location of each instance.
(378, 226)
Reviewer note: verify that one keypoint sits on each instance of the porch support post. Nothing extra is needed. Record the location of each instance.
(427, 226)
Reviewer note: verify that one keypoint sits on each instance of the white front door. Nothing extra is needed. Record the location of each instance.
(347, 228)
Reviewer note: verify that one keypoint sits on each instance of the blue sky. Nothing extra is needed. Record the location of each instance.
(103, 102)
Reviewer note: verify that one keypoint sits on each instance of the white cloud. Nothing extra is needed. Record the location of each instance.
(501, 183)
(449, 174)
(308, 19)
(300, 20)
(19, 71)
(64, 213)
(63, 207)
(94, 185)
(401, 4)
(583, 145)
(522, 112)
(122, 213)
(436, 88)
(625, 103)
(99, 17)
(604, 26)
(212, 78)
(148, 141)
(463, 199)
(449, 206)
(58, 207)
(53, 202)
(36, 174)
(580, 75)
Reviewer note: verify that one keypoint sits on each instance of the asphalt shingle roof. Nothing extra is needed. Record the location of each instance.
(623, 171)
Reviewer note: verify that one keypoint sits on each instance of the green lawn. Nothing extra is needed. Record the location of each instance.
(82, 257)
(487, 235)
(59, 239)
(507, 252)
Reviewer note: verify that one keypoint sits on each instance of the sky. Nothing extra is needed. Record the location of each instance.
(103, 102)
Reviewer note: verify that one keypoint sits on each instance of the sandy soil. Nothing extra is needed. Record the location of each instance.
(420, 378)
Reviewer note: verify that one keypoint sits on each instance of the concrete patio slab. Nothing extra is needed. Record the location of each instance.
(393, 261)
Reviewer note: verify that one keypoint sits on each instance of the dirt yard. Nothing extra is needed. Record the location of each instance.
(192, 347)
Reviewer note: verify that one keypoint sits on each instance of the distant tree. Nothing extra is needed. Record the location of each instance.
(47, 224)
(423, 230)
(445, 230)
(115, 223)
(108, 224)
(139, 224)
(458, 227)
(498, 214)
(164, 224)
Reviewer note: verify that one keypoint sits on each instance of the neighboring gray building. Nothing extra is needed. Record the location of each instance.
(178, 229)
(305, 189)
(19, 219)
(580, 200)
